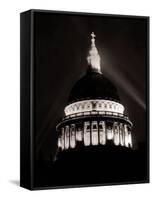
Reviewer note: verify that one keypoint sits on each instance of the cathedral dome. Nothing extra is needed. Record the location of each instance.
(94, 114)
(93, 86)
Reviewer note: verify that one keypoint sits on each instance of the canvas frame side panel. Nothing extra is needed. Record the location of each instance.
(26, 99)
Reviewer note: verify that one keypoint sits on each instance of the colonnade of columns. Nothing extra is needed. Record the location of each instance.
(94, 133)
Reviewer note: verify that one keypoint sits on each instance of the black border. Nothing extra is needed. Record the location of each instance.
(27, 97)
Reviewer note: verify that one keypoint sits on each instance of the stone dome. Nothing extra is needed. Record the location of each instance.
(93, 86)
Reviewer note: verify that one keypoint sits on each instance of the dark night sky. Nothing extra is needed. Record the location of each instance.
(62, 42)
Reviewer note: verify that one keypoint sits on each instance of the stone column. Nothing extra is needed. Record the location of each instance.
(121, 134)
(62, 138)
(67, 135)
(126, 136)
(130, 139)
(72, 136)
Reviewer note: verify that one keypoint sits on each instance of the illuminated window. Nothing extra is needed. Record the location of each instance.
(116, 133)
(126, 136)
(67, 137)
(121, 130)
(59, 142)
(94, 126)
(102, 134)
(72, 136)
(87, 133)
(88, 127)
(100, 127)
(62, 136)
(78, 134)
(94, 132)
(109, 133)
(130, 139)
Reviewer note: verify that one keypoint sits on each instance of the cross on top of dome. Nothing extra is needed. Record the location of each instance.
(93, 35)
(93, 57)
(93, 39)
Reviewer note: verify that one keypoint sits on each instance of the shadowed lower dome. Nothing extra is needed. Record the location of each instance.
(93, 86)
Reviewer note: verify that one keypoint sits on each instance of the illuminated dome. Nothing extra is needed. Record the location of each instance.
(94, 115)
(93, 86)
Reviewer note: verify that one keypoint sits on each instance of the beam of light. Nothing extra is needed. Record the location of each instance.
(124, 83)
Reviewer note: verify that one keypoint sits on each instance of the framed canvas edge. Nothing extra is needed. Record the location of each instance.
(86, 13)
(32, 77)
